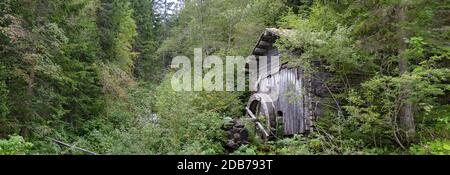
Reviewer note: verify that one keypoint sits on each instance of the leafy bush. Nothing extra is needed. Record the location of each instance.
(246, 150)
(189, 126)
(434, 123)
(297, 145)
(15, 145)
(438, 147)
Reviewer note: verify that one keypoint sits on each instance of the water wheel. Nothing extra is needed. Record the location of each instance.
(261, 112)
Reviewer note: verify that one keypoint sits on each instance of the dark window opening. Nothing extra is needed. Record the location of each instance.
(280, 113)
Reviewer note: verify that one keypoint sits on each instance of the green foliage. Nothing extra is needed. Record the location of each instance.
(14, 145)
(434, 123)
(297, 145)
(4, 109)
(93, 73)
(276, 8)
(381, 94)
(327, 34)
(117, 30)
(148, 65)
(322, 39)
(194, 128)
(438, 147)
(246, 150)
(316, 144)
(53, 82)
(220, 27)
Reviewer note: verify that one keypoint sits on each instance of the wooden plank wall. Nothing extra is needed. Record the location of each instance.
(285, 89)
(291, 101)
(290, 90)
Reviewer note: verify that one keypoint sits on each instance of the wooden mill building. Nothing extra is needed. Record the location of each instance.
(285, 101)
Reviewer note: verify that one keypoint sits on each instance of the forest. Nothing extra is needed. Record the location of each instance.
(96, 75)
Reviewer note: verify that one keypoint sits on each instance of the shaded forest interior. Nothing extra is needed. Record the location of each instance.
(94, 73)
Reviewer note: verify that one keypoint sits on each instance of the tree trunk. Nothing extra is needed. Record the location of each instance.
(25, 132)
(406, 116)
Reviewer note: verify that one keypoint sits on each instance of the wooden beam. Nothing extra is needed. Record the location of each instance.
(258, 124)
(73, 146)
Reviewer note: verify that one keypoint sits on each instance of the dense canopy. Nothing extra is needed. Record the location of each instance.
(95, 74)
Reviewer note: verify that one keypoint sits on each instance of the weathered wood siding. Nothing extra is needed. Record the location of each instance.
(291, 90)
(285, 88)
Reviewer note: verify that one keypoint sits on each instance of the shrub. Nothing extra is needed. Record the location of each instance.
(438, 147)
(15, 145)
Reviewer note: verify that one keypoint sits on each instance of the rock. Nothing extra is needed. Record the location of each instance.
(228, 123)
(244, 136)
(229, 134)
(239, 123)
(231, 144)
(236, 134)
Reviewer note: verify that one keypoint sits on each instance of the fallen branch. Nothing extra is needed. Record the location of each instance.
(74, 147)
